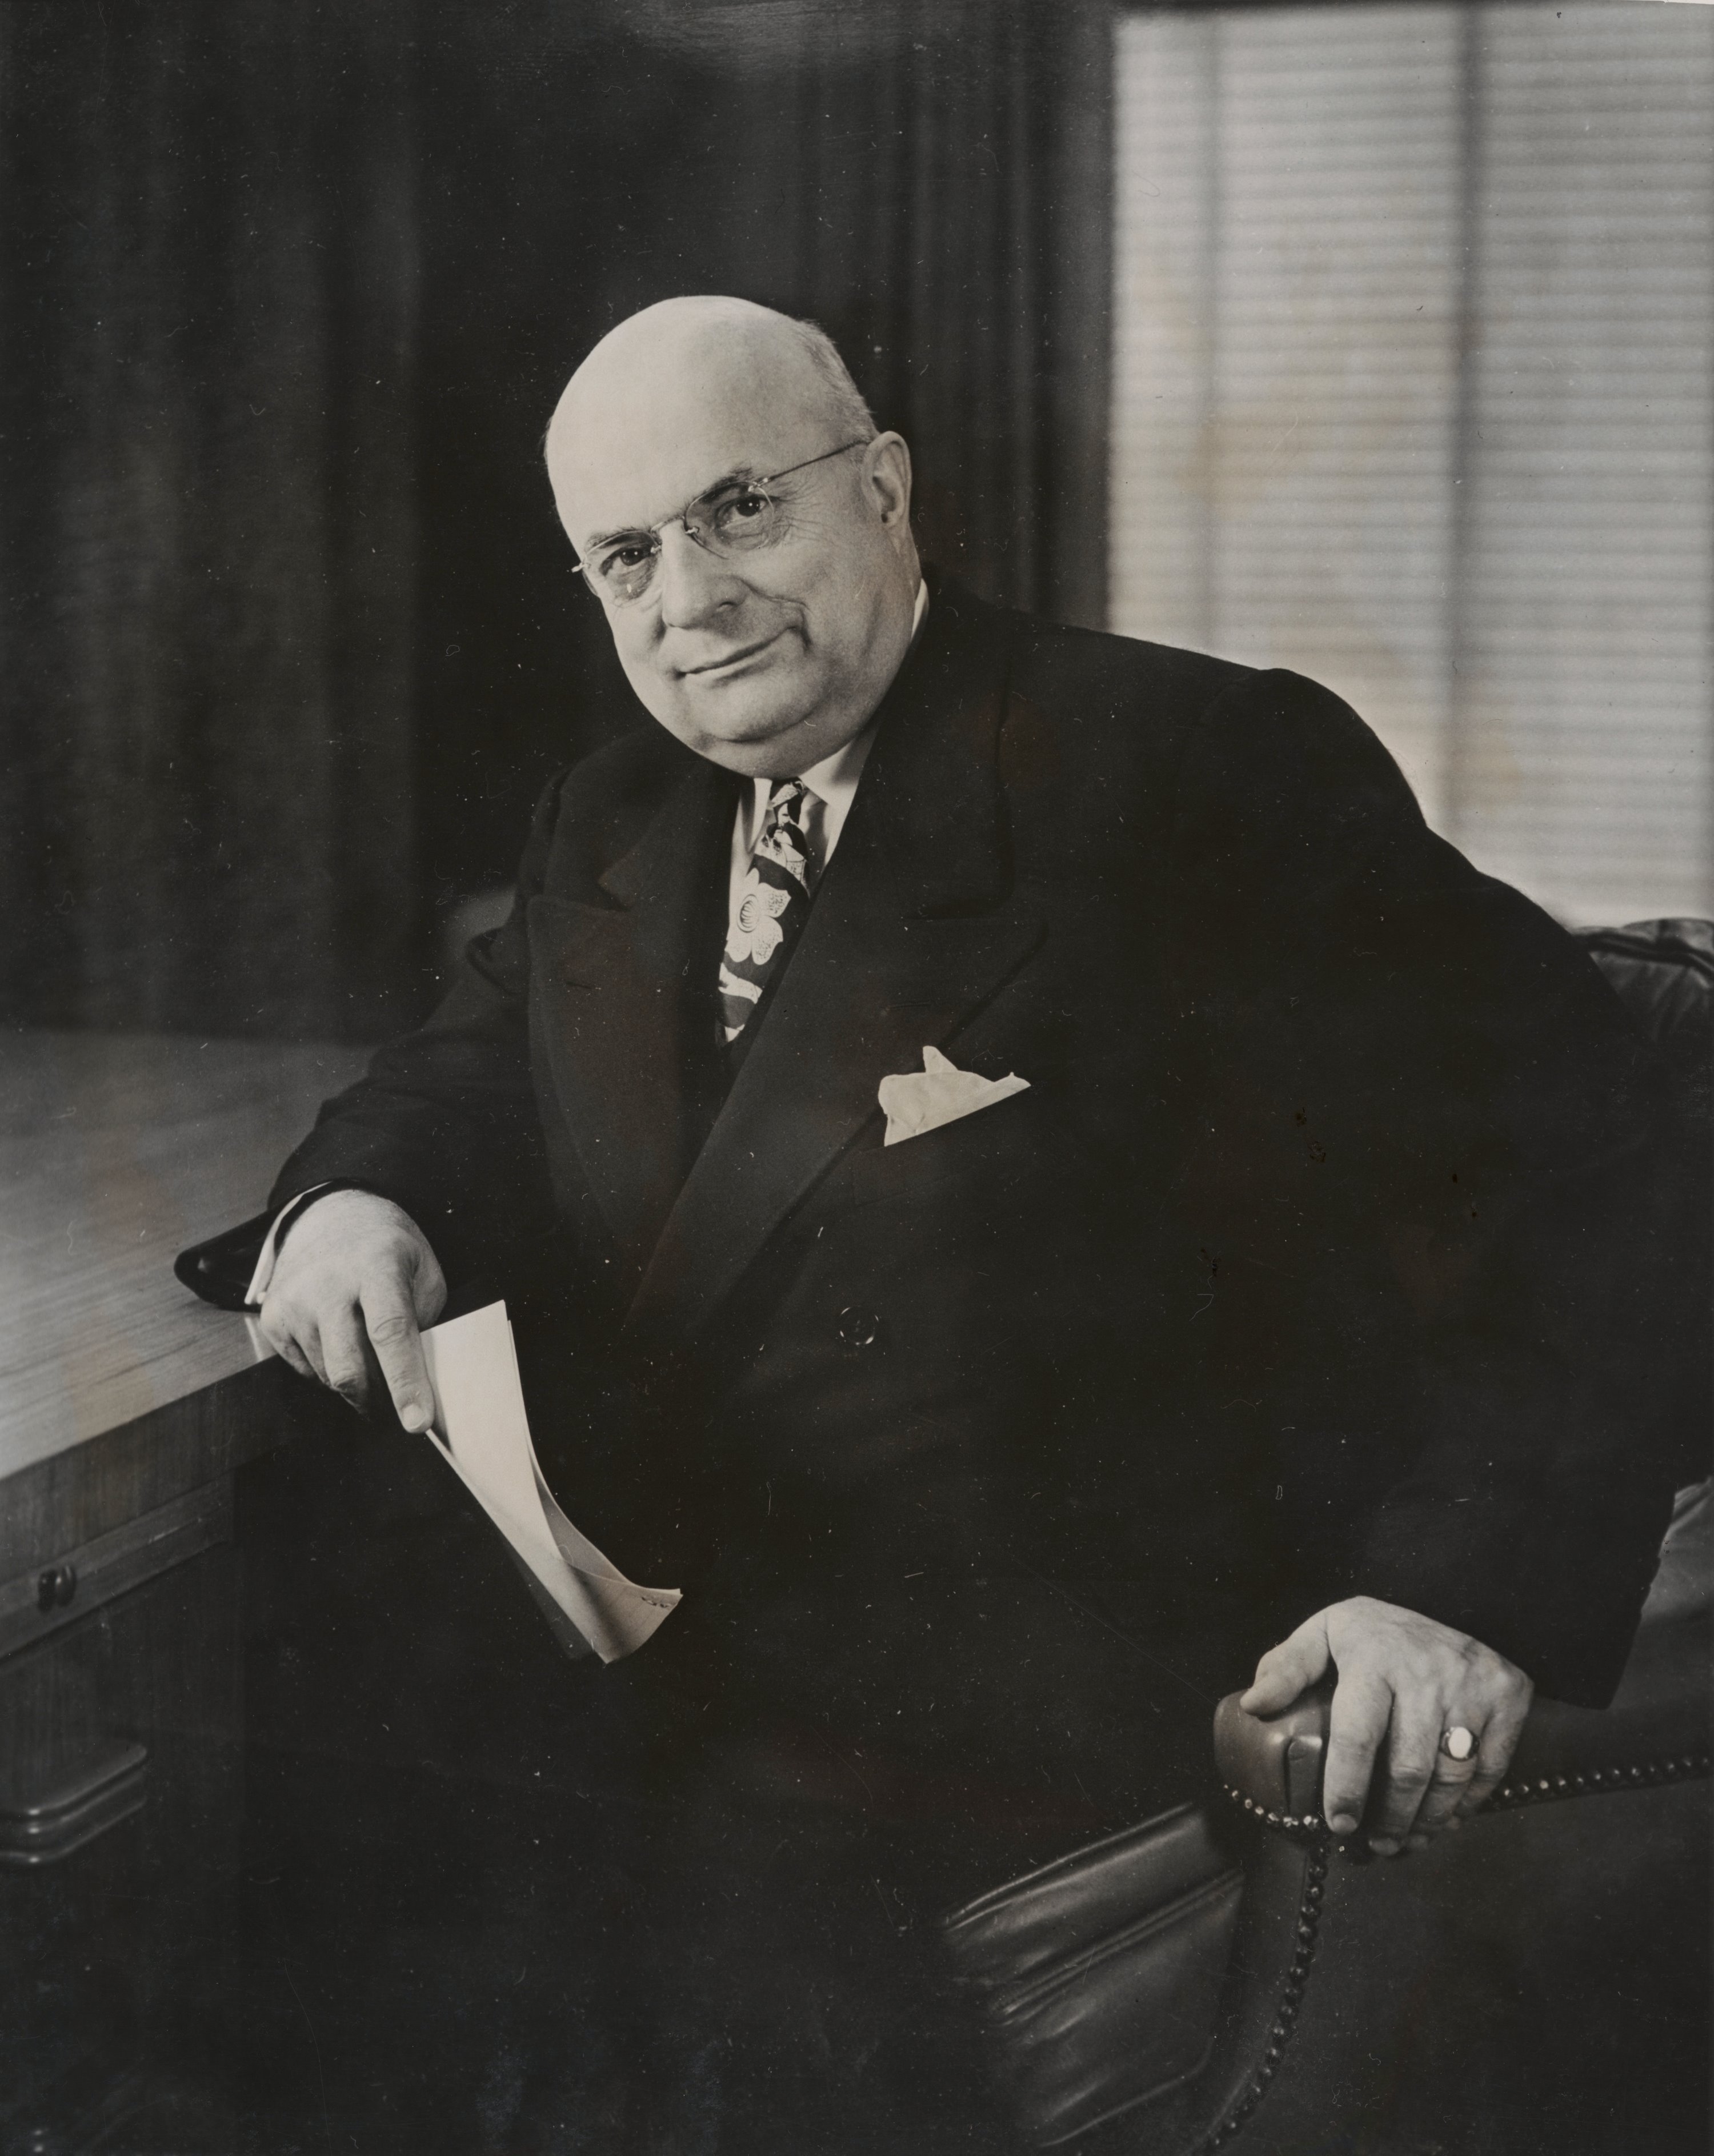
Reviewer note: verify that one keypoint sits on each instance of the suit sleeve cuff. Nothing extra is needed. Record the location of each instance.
(262, 1277)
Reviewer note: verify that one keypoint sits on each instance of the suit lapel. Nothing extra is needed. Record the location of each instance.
(629, 1015)
(913, 928)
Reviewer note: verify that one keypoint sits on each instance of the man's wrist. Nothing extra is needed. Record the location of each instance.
(284, 1221)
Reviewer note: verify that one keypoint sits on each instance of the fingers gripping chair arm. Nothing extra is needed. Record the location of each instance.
(1655, 1730)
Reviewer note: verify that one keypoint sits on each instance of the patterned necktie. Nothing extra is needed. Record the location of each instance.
(773, 901)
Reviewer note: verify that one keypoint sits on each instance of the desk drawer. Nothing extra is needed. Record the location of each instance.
(61, 1586)
(120, 1792)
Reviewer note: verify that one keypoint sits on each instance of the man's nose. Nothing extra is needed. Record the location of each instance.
(694, 584)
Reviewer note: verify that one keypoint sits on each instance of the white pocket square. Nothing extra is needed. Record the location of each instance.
(919, 1101)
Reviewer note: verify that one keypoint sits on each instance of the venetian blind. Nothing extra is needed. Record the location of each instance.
(1414, 390)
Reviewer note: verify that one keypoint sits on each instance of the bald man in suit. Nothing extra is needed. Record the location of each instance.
(1296, 1303)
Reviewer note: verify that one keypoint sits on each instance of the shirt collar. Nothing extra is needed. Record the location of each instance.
(834, 779)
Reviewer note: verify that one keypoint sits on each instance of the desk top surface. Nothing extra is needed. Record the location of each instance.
(115, 1150)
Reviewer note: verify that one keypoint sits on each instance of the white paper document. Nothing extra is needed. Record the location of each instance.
(482, 1432)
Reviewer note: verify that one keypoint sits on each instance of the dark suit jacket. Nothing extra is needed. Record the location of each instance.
(1319, 1257)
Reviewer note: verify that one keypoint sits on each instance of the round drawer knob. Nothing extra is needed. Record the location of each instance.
(858, 1328)
(56, 1587)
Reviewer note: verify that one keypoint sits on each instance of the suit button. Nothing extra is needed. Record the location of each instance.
(858, 1328)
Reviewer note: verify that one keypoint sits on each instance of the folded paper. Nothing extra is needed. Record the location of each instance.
(482, 1432)
(919, 1101)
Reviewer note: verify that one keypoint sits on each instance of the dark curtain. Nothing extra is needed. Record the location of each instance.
(934, 196)
(288, 291)
(209, 290)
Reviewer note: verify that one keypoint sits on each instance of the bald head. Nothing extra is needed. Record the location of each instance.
(755, 658)
(727, 359)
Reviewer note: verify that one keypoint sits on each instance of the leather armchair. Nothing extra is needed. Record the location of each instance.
(1229, 1976)
(1537, 1981)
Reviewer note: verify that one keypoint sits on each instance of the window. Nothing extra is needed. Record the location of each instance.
(1414, 391)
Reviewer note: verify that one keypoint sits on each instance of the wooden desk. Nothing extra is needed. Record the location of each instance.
(119, 1389)
(125, 1405)
(114, 1152)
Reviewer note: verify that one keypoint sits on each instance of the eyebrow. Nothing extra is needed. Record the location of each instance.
(738, 478)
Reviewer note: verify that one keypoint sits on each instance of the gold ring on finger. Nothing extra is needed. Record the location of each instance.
(1457, 1741)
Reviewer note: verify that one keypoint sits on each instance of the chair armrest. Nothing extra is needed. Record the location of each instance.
(1656, 1727)
(1275, 1761)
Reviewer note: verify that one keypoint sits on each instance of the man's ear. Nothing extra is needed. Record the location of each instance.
(886, 480)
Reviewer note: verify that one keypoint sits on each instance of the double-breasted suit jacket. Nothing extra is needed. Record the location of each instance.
(1311, 1261)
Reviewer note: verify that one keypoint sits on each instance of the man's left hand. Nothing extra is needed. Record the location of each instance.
(1403, 1681)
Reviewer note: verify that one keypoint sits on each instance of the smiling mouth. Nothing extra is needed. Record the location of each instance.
(733, 658)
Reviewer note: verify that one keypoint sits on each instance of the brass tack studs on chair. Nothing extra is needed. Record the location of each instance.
(1322, 1847)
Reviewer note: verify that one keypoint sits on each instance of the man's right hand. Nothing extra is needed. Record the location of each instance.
(353, 1264)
